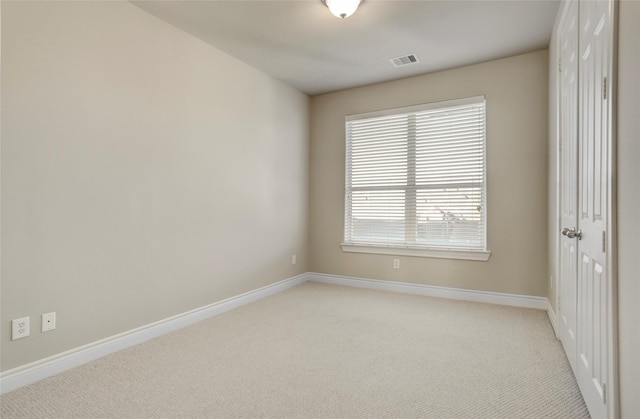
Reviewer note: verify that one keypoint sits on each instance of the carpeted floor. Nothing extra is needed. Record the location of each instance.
(324, 351)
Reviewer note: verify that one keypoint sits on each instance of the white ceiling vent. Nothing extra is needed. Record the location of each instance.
(405, 60)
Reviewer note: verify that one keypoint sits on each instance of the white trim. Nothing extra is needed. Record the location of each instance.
(417, 108)
(478, 255)
(433, 291)
(552, 317)
(38, 370)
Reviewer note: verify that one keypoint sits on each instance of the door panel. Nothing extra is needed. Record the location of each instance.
(568, 291)
(593, 136)
(568, 180)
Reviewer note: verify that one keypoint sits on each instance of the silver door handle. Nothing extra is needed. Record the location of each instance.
(572, 233)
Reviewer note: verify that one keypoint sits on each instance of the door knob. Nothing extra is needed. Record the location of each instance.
(572, 233)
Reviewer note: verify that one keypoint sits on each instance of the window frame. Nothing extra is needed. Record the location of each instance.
(405, 248)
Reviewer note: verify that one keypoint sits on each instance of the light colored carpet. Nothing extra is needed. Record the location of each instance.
(324, 351)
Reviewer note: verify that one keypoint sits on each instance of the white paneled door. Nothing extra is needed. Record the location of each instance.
(585, 306)
(567, 308)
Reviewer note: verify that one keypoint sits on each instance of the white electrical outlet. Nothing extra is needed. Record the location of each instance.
(396, 264)
(294, 259)
(19, 328)
(48, 321)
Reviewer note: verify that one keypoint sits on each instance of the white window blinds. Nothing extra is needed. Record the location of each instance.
(415, 177)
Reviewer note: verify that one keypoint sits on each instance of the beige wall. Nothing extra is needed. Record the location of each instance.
(516, 92)
(629, 206)
(144, 174)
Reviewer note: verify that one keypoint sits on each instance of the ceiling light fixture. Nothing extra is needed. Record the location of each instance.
(342, 8)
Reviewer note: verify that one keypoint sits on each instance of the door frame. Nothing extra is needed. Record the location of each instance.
(612, 235)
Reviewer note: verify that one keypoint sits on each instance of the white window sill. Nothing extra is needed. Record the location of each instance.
(419, 252)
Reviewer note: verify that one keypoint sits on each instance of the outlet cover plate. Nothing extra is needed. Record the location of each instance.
(19, 328)
(48, 321)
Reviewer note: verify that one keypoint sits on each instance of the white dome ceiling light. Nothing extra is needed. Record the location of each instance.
(342, 8)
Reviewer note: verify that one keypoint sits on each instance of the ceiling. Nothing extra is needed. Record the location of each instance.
(305, 46)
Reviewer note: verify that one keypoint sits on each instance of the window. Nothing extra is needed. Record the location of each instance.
(415, 181)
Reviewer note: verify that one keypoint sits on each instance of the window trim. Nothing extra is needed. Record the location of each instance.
(405, 249)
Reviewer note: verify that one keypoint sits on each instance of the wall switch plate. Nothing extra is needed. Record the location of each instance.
(294, 259)
(19, 328)
(396, 264)
(48, 321)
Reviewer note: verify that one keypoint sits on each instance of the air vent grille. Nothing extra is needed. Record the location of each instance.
(405, 60)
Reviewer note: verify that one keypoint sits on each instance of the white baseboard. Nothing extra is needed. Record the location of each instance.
(38, 370)
(552, 317)
(35, 371)
(433, 291)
